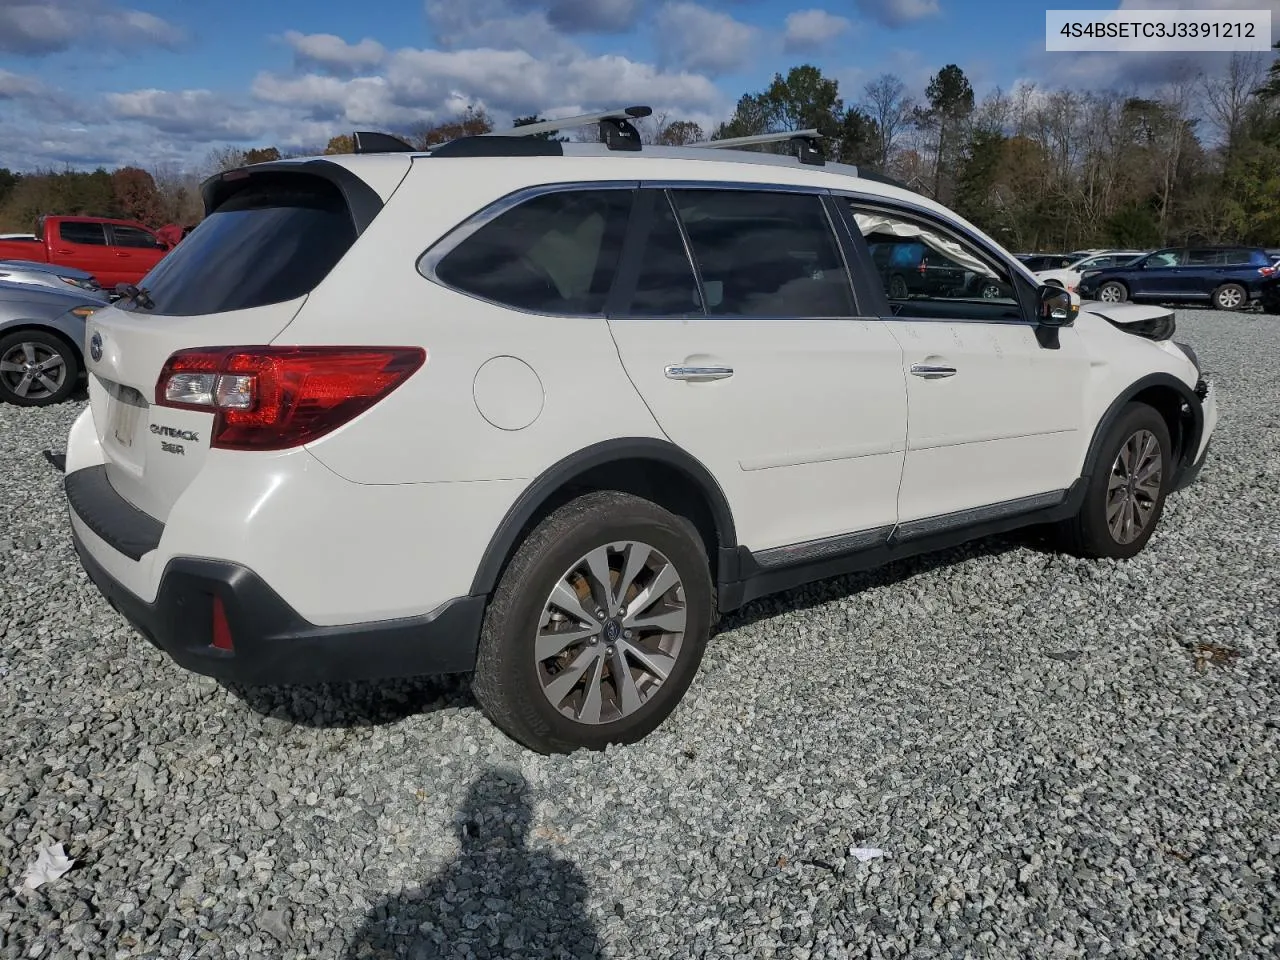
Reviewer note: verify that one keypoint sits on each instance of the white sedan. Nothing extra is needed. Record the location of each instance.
(1068, 277)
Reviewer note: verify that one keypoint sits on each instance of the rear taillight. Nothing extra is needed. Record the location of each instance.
(1267, 271)
(270, 398)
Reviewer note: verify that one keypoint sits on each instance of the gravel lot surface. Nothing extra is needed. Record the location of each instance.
(1060, 758)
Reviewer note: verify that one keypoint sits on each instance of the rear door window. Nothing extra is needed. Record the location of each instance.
(274, 240)
(554, 253)
(91, 234)
(764, 254)
(133, 237)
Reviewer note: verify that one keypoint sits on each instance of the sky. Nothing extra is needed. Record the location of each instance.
(162, 82)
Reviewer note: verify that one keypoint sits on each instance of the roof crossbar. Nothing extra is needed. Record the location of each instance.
(616, 128)
(804, 140)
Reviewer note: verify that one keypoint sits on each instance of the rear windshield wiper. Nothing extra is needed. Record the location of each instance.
(133, 294)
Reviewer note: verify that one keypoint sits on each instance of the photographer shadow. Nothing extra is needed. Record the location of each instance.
(498, 899)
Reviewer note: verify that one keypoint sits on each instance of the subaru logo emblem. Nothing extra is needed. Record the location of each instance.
(95, 346)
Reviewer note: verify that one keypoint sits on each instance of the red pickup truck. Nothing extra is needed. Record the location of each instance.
(114, 251)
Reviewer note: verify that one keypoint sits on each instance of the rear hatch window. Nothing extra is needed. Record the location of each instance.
(272, 241)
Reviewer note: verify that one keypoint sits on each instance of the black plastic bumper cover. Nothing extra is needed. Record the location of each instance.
(273, 644)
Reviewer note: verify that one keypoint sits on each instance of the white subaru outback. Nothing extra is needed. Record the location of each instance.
(540, 411)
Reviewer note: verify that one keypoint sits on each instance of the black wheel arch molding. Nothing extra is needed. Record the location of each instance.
(559, 479)
(1188, 440)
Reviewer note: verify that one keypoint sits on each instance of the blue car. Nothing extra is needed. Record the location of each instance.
(1227, 277)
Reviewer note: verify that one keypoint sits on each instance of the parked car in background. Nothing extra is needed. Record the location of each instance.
(173, 233)
(908, 267)
(114, 251)
(41, 338)
(1229, 278)
(49, 275)
(1069, 276)
(1036, 262)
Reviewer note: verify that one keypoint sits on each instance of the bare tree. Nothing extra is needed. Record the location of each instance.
(888, 104)
(1228, 95)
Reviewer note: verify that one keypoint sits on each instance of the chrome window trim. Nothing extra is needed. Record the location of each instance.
(1014, 267)
(430, 258)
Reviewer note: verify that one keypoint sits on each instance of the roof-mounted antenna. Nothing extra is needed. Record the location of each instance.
(616, 128)
(804, 141)
(369, 142)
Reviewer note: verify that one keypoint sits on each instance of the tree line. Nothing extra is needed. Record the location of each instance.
(1197, 161)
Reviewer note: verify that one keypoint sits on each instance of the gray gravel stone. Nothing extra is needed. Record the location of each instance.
(1063, 759)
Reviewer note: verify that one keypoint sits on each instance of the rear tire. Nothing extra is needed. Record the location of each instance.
(37, 368)
(565, 662)
(1125, 496)
(1230, 296)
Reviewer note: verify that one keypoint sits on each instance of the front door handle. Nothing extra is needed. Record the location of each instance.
(697, 374)
(932, 371)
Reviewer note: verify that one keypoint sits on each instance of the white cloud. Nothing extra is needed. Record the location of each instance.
(325, 51)
(188, 113)
(494, 24)
(15, 86)
(517, 82)
(38, 27)
(696, 38)
(812, 30)
(899, 13)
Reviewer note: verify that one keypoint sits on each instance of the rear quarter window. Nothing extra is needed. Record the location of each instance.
(554, 253)
(272, 241)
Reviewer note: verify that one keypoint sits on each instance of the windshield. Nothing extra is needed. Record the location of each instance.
(273, 241)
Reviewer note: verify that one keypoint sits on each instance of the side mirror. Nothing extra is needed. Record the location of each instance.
(1055, 306)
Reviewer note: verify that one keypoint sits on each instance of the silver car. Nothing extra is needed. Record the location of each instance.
(49, 275)
(42, 341)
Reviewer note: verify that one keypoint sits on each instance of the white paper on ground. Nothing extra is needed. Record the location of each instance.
(51, 863)
(863, 854)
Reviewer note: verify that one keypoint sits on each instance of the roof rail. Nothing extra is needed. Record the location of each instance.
(615, 127)
(804, 140)
(881, 178)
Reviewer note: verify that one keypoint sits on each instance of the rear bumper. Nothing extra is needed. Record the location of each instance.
(273, 643)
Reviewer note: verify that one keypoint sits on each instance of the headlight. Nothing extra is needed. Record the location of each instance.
(1089, 273)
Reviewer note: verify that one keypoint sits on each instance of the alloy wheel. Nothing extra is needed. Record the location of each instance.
(610, 632)
(1134, 487)
(1109, 294)
(1229, 299)
(33, 371)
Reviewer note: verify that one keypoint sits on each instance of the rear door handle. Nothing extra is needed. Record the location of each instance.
(932, 371)
(697, 374)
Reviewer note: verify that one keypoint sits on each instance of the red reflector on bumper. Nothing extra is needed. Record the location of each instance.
(221, 629)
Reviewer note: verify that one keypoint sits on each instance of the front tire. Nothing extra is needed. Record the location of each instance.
(1113, 292)
(1125, 496)
(1230, 296)
(597, 627)
(37, 369)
